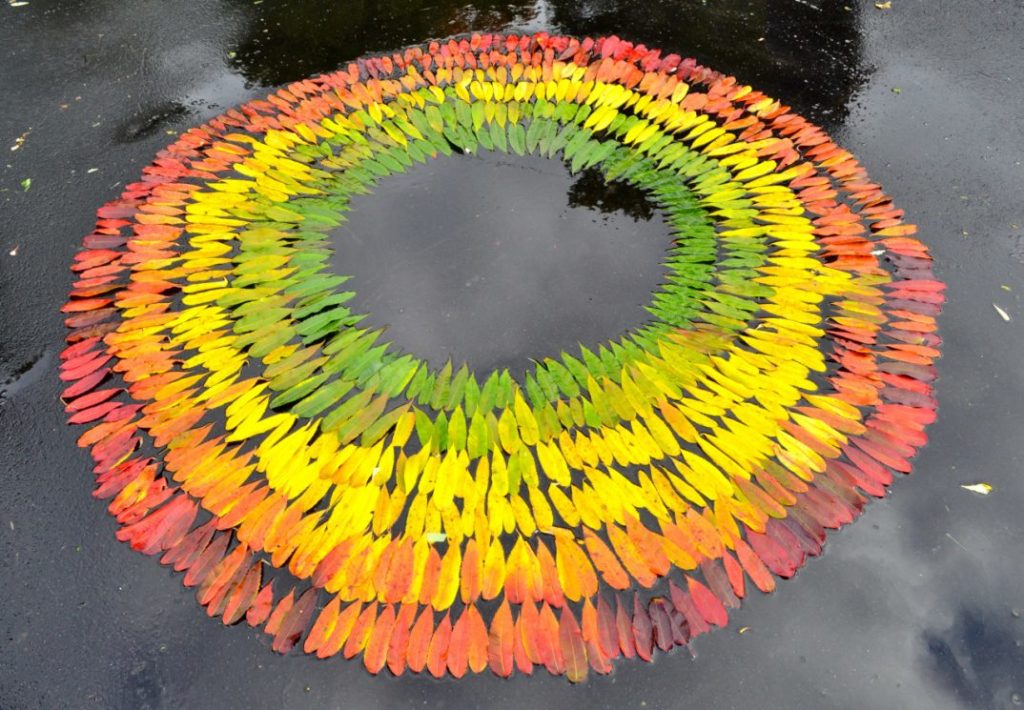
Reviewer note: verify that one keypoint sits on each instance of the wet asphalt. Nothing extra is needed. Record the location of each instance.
(917, 605)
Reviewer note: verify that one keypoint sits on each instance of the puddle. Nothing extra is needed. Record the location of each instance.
(497, 259)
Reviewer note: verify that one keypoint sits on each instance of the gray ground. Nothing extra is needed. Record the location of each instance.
(914, 606)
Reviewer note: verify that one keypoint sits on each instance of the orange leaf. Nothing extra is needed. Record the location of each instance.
(472, 568)
(551, 647)
(549, 575)
(399, 573)
(243, 596)
(476, 631)
(419, 641)
(592, 639)
(430, 574)
(323, 626)
(380, 637)
(519, 655)
(630, 556)
(501, 642)
(437, 654)
(360, 632)
(339, 634)
(754, 568)
(399, 644)
(573, 650)
(458, 646)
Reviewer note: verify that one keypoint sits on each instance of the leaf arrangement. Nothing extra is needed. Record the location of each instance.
(307, 477)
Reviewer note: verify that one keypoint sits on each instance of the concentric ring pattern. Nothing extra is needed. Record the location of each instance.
(309, 478)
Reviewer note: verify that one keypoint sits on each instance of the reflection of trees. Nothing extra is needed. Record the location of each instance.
(591, 190)
(805, 54)
(286, 42)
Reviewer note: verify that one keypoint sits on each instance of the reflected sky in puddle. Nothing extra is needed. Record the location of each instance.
(495, 259)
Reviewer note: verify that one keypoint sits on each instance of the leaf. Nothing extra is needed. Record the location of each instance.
(361, 630)
(501, 641)
(709, 606)
(375, 655)
(477, 639)
(643, 630)
(294, 623)
(604, 559)
(573, 650)
(458, 652)
(979, 488)
(399, 644)
(517, 137)
(419, 641)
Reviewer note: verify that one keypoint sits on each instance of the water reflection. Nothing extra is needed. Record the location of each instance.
(287, 41)
(495, 259)
(591, 190)
(807, 53)
(977, 659)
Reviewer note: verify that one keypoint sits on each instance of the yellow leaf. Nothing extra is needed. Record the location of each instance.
(979, 488)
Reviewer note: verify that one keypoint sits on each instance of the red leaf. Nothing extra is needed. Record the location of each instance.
(709, 606)
(685, 606)
(573, 650)
(624, 630)
(285, 605)
(85, 384)
(294, 623)
(607, 634)
(260, 609)
(93, 413)
(93, 398)
(242, 597)
(547, 635)
(643, 631)
(772, 554)
(206, 561)
(718, 582)
(661, 624)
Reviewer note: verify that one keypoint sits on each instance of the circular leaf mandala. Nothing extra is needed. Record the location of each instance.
(313, 480)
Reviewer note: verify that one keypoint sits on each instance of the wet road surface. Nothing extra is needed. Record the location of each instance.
(917, 605)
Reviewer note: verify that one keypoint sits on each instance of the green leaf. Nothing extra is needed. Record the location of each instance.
(517, 138)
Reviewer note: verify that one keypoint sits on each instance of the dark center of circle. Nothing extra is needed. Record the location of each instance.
(497, 259)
